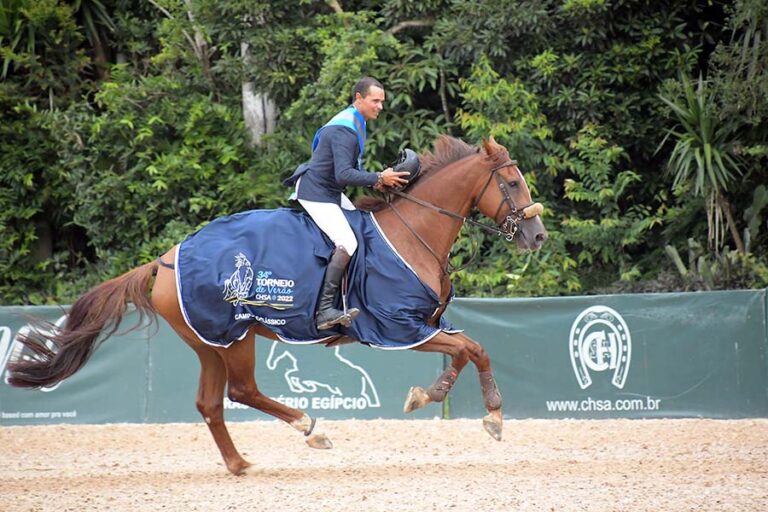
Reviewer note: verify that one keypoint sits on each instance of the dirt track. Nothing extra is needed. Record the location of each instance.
(387, 465)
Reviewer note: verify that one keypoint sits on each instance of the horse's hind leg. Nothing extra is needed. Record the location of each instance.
(240, 361)
(210, 403)
(213, 374)
(461, 349)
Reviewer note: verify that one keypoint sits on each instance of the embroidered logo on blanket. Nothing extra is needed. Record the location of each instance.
(269, 291)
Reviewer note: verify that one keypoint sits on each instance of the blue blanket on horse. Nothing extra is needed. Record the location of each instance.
(267, 266)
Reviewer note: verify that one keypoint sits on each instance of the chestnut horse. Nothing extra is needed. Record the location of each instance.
(421, 224)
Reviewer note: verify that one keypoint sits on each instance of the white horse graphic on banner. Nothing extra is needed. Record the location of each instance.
(347, 379)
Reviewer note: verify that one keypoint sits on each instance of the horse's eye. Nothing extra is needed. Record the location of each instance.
(512, 184)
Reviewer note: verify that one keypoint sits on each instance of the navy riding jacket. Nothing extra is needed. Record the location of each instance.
(333, 167)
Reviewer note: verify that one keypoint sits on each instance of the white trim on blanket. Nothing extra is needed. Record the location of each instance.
(392, 247)
(405, 347)
(302, 342)
(372, 345)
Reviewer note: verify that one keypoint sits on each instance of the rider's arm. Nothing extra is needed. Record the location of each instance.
(345, 149)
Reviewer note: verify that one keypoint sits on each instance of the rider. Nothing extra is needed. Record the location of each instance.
(337, 155)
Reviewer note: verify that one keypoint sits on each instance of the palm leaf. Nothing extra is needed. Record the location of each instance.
(702, 155)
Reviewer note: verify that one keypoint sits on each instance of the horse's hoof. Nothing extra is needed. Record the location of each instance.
(239, 468)
(416, 399)
(319, 441)
(305, 424)
(492, 424)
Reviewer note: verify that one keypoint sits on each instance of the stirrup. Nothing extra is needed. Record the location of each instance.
(345, 319)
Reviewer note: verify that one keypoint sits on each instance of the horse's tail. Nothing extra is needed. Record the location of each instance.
(56, 353)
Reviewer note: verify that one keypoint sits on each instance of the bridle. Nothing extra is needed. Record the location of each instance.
(508, 227)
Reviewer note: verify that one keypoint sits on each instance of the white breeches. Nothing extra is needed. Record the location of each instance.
(331, 220)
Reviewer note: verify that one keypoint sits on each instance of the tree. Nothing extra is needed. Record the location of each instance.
(125, 123)
(704, 156)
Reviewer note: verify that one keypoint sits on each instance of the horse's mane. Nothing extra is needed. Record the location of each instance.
(446, 150)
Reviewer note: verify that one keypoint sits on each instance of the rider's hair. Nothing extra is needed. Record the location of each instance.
(363, 86)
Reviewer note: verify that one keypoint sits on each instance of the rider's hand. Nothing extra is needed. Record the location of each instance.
(391, 178)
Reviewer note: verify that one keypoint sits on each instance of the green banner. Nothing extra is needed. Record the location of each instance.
(112, 387)
(348, 381)
(150, 375)
(618, 356)
(621, 356)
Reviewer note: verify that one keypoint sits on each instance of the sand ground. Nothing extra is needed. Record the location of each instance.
(392, 465)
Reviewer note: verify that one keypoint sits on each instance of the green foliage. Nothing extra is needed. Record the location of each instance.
(354, 46)
(282, 51)
(350, 49)
(35, 198)
(96, 22)
(740, 65)
(156, 151)
(601, 225)
(752, 215)
(40, 40)
(122, 127)
(495, 107)
(601, 63)
(727, 270)
(496, 268)
(703, 154)
(24, 151)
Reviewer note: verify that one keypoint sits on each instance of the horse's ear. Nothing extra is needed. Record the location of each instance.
(489, 145)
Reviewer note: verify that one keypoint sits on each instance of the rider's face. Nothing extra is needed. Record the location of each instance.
(372, 104)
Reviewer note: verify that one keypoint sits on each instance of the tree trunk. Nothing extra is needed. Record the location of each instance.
(200, 45)
(444, 101)
(729, 220)
(43, 247)
(259, 111)
(100, 59)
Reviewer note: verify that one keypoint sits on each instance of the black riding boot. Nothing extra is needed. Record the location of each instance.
(327, 315)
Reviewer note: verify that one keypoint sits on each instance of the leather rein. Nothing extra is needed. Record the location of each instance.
(508, 228)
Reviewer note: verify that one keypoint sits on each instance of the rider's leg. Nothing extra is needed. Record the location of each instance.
(327, 315)
(330, 219)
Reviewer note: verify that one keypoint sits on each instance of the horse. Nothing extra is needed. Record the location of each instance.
(421, 224)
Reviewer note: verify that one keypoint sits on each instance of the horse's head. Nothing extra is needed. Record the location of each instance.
(504, 197)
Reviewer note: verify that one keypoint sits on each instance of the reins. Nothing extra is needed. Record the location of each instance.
(508, 229)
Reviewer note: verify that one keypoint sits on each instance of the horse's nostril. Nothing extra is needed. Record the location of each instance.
(541, 237)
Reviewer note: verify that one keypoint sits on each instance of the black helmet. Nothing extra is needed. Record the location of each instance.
(408, 161)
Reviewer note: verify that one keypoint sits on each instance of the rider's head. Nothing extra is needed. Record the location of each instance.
(368, 97)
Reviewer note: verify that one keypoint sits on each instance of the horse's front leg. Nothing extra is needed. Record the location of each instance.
(462, 349)
(494, 420)
(444, 344)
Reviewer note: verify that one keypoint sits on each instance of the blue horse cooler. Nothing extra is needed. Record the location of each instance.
(267, 266)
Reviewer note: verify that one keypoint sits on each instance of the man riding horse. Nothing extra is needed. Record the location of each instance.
(337, 161)
(219, 313)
